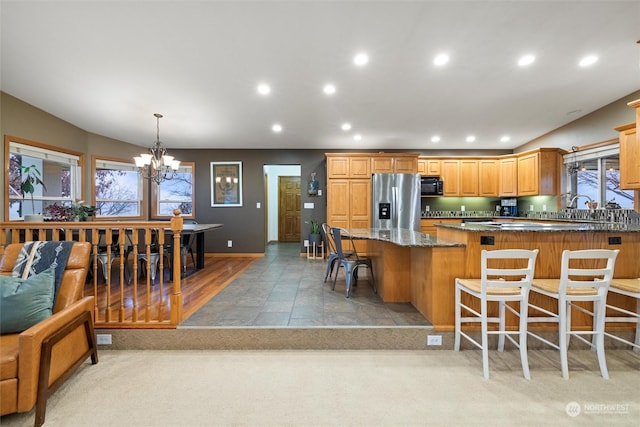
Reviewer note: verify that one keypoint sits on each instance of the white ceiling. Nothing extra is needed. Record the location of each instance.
(107, 66)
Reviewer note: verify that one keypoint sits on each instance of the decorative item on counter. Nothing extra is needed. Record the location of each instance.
(313, 186)
(82, 212)
(56, 212)
(611, 204)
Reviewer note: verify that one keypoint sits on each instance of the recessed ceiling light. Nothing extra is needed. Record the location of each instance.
(276, 127)
(505, 138)
(357, 137)
(329, 89)
(263, 89)
(435, 138)
(346, 126)
(361, 59)
(588, 60)
(526, 60)
(441, 59)
(470, 138)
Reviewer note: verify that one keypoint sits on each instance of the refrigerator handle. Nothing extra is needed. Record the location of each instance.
(394, 207)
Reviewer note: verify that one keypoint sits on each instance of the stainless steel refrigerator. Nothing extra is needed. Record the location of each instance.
(396, 201)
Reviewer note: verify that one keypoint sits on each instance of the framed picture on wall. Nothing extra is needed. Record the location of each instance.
(226, 184)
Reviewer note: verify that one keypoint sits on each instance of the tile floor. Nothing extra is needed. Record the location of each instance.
(287, 290)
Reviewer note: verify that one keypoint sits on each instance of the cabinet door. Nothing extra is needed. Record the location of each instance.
(433, 167)
(422, 166)
(468, 177)
(487, 177)
(360, 203)
(338, 202)
(508, 177)
(629, 159)
(529, 175)
(450, 174)
(360, 167)
(382, 165)
(337, 167)
(405, 164)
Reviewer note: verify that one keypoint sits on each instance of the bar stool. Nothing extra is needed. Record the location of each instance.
(582, 279)
(503, 279)
(630, 288)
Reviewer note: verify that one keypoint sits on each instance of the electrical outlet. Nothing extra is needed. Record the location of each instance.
(257, 205)
(319, 192)
(462, 208)
(434, 339)
(103, 339)
(531, 208)
(229, 243)
(544, 208)
(306, 243)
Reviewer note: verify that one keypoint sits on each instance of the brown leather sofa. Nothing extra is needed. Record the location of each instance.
(34, 363)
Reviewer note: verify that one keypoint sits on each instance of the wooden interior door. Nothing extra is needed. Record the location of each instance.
(289, 209)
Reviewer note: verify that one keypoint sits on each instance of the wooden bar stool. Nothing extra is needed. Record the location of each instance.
(503, 279)
(631, 288)
(585, 276)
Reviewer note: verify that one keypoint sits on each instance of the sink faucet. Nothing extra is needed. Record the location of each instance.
(574, 198)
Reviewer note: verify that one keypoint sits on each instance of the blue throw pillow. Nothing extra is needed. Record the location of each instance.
(25, 302)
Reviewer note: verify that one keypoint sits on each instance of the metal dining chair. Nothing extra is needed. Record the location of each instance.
(351, 263)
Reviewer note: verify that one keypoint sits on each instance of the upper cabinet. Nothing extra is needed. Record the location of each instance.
(508, 177)
(450, 175)
(539, 172)
(630, 152)
(396, 163)
(488, 173)
(348, 166)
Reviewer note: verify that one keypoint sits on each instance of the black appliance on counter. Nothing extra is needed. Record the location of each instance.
(509, 207)
(431, 186)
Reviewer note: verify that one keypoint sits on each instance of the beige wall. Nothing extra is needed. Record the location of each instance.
(19, 119)
(594, 127)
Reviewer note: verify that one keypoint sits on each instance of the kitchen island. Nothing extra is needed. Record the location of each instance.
(414, 267)
(551, 239)
(420, 268)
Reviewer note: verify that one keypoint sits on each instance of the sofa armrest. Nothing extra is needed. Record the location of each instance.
(30, 347)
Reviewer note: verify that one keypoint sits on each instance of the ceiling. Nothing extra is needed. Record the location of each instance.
(107, 66)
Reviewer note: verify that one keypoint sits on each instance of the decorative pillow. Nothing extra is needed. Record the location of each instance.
(25, 302)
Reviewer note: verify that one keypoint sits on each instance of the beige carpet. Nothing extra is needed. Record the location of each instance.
(343, 388)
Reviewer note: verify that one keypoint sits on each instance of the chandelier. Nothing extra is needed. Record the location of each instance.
(157, 165)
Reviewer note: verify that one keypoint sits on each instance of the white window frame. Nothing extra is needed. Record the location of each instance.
(101, 163)
(185, 167)
(43, 153)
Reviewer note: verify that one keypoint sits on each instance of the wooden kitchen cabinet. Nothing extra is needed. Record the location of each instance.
(428, 225)
(450, 175)
(429, 167)
(348, 166)
(349, 203)
(394, 164)
(508, 177)
(539, 172)
(468, 178)
(488, 171)
(630, 152)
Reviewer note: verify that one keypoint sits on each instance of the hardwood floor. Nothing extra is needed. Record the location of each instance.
(141, 299)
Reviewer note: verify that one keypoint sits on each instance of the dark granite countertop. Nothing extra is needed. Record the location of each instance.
(402, 237)
(526, 226)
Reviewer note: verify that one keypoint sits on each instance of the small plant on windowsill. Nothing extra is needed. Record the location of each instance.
(314, 235)
(30, 179)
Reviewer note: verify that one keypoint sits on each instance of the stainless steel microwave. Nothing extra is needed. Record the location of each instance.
(431, 186)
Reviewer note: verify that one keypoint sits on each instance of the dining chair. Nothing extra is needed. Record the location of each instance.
(107, 252)
(151, 258)
(585, 276)
(506, 276)
(333, 254)
(351, 263)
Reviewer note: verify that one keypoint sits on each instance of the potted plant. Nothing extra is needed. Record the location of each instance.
(30, 178)
(314, 235)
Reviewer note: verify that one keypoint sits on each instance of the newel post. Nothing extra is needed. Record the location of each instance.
(176, 295)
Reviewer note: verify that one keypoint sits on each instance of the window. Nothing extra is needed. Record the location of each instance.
(60, 170)
(176, 193)
(118, 189)
(595, 173)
